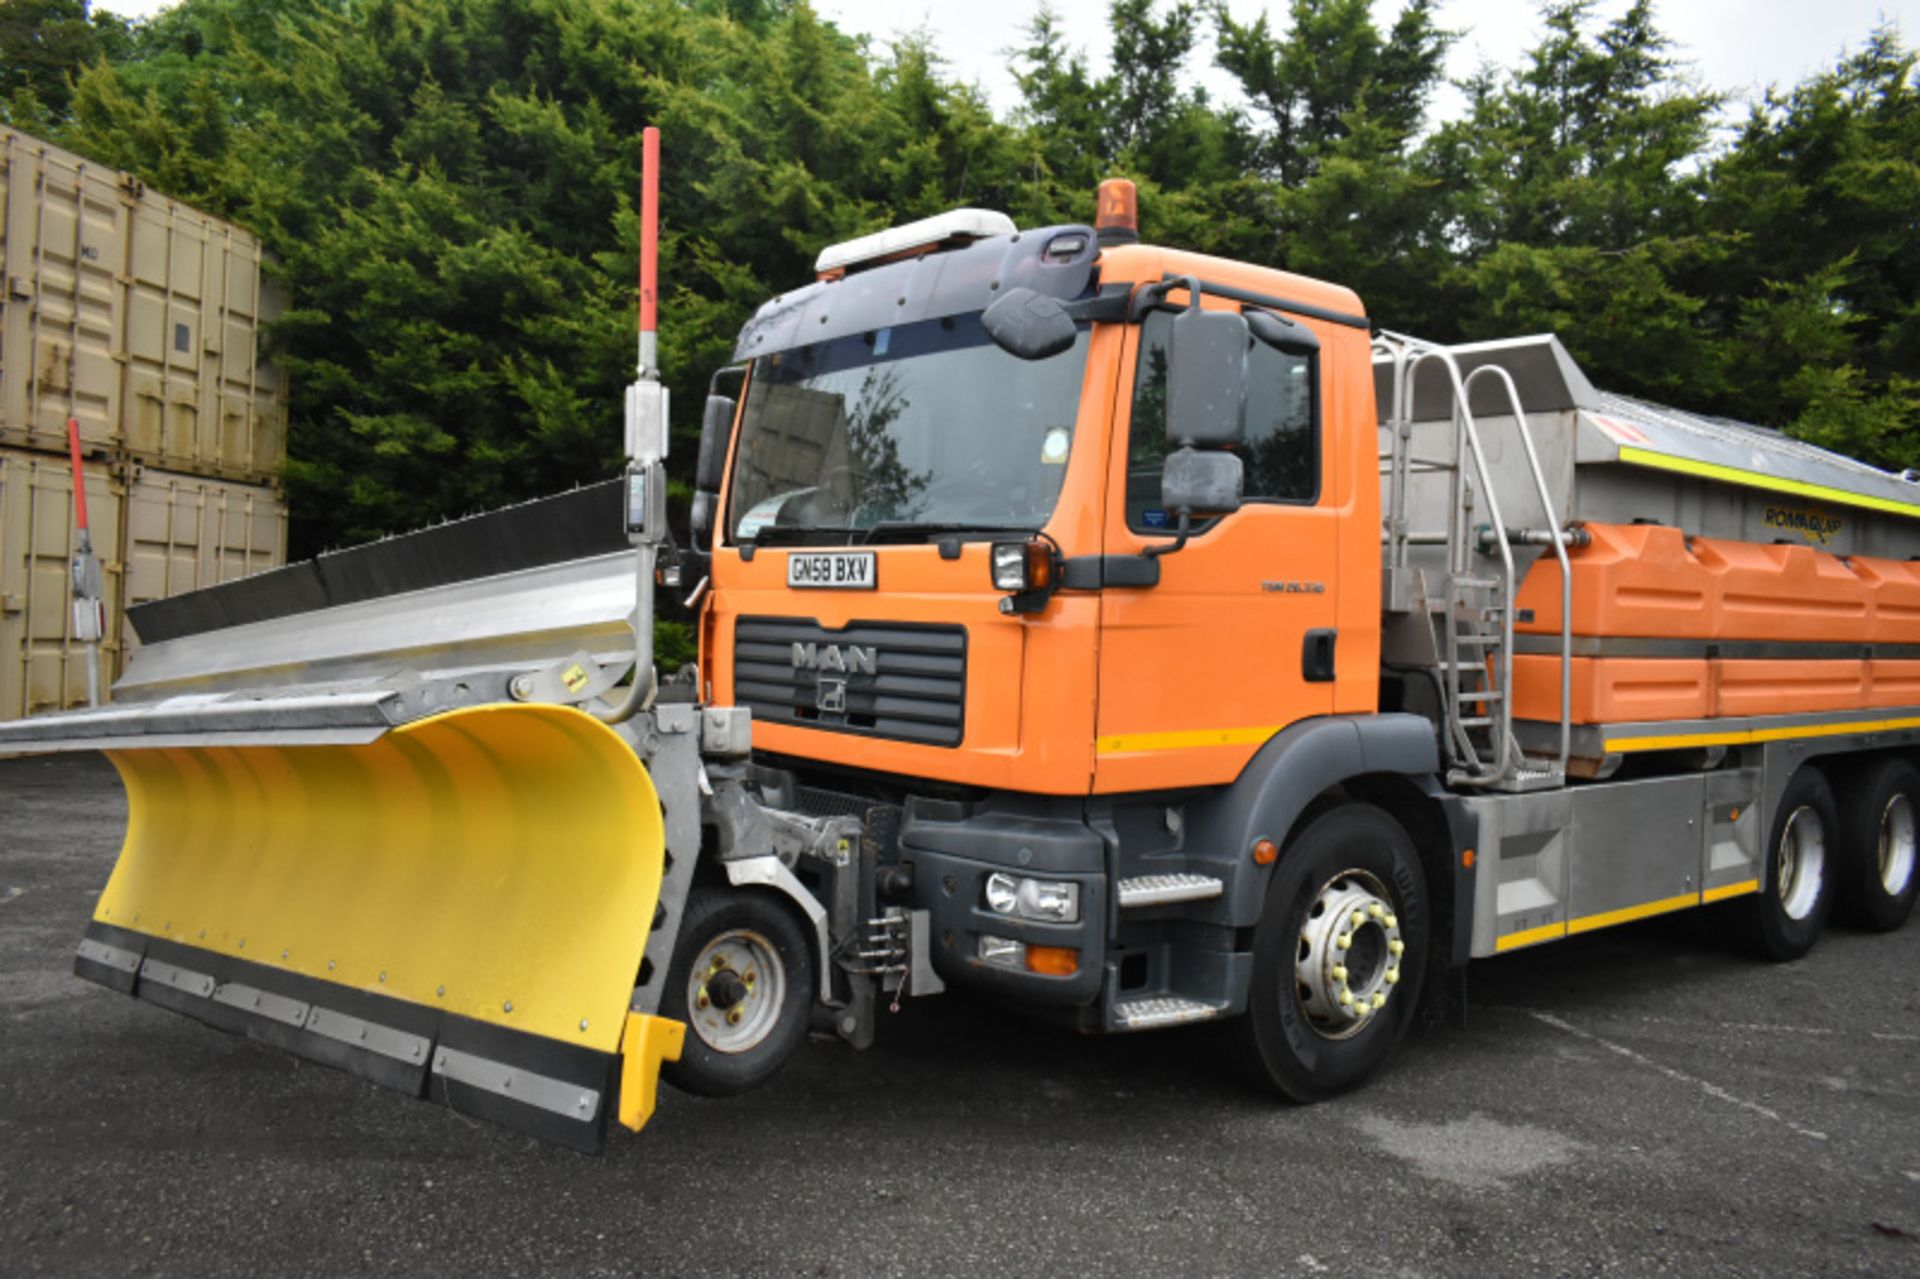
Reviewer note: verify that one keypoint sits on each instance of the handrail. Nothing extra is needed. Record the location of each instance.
(1467, 439)
(1559, 541)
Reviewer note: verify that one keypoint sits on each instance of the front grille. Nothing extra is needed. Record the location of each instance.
(880, 679)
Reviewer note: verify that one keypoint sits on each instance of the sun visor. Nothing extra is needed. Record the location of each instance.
(1056, 261)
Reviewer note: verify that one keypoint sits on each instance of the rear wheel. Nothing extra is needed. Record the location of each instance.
(1797, 892)
(1880, 816)
(742, 980)
(1339, 955)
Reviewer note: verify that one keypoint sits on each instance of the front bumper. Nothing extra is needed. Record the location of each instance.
(954, 848)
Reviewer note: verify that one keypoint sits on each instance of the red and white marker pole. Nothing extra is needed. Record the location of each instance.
(646, 405)
(89, 616)
(649, 253)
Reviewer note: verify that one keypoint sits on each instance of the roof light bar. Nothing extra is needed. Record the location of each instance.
(956, 224)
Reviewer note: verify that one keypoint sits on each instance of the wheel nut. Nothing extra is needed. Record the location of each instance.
(1393, 976)
(1380, 1001)
(1396, 947)
(1344, 941)
(1356, 919)
(700, 1000)
(1376, 910)
(1346, 999)
(733, 1018)
(1339, 972)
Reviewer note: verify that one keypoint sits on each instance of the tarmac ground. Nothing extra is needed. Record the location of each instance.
(1641, 1101)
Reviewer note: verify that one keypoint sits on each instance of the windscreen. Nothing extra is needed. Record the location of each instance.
(926, 426)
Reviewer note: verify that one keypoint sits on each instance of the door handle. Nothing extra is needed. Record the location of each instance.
(1316, 656)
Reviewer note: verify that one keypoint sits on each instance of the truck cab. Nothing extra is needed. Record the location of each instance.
(957, 588)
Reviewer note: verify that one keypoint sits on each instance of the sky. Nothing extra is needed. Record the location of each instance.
(1737, 46)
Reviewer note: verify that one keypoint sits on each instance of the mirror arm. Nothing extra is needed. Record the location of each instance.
(1112, 305)
(1181, 531)
(1153, 297)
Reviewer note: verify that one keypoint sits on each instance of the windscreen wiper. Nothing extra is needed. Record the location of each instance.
(902, 530)
(792, 534)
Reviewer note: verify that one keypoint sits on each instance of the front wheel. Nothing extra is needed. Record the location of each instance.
(1338, 957)
(742, 980)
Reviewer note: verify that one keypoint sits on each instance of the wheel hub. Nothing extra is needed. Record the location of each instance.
(1897, 845)
(736, 986)
(1348, 960)
(1801, 863)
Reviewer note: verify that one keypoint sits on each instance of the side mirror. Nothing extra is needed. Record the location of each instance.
(1282, 334)
(1201, 483)
(1207, 380)
(700, 520)
(1030, 325)
(715, 426)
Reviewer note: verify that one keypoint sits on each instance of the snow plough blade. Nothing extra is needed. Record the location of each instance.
(455, 908)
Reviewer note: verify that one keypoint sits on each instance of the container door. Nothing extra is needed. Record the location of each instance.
(1238, 638)
(41, 667)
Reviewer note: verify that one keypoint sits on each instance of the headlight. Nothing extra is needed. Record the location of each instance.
(1048, 900)
(1019, 567)
(1010, 566)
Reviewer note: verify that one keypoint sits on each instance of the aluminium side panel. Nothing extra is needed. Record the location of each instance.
(41, 667)
(63, 245)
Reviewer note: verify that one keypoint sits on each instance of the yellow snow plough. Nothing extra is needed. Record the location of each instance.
(422, 810)
(371, 831)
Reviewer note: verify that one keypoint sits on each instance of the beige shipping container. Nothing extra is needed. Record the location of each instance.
(185, 532)
(157, 534)
(135, 314)
(41, 668)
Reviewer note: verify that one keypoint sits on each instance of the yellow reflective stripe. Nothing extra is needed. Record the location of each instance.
(1755, 479)
(1626, 914)
(1134, 742)
(1748, 736)
(1528, 936)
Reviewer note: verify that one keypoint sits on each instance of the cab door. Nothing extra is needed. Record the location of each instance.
(1238, 638)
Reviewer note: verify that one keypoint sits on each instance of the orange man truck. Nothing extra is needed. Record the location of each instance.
(1137, 637)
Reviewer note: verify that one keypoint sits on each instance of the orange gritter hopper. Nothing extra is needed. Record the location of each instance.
(1671, 627)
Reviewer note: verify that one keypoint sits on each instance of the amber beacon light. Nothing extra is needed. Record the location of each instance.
(1118, 218)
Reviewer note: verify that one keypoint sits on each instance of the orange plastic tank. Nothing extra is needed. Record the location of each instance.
(1788, 687)
(1893, 683)
(1896, 599)
(1785, 593)
(1612, 690)
(1630, 579)
(1650, 582)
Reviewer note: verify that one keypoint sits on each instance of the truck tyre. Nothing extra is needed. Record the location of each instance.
(1880, 818)
(742, 979)
(1796, 887)
(1338, 956)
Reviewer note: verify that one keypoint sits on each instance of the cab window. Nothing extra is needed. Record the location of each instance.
(1282, 450)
